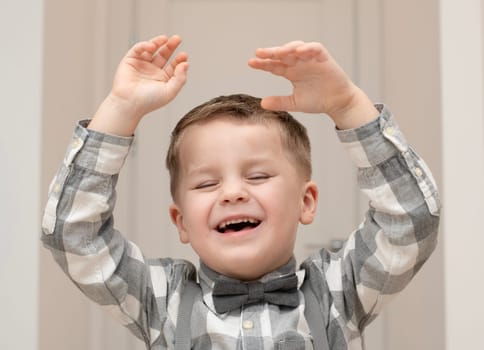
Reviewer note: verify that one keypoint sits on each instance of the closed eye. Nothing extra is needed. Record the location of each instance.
(205, 185)
(258, 177)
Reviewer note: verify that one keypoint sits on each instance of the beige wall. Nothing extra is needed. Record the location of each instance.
(82, 46)
(410, 86)
(68, 67)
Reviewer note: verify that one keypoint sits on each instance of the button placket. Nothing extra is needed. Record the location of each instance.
(250, 326)
(247, 316)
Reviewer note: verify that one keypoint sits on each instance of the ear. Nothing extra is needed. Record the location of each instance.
(309, 203)
(177, 219)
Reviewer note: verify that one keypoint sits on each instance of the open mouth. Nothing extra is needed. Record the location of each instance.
(237, 225)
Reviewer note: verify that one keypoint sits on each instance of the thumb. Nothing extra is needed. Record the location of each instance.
(178, 79)
(279, 103)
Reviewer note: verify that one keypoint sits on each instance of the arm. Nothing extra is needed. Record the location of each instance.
(78, 223)
(400, 228)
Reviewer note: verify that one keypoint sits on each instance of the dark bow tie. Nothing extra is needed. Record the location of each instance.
(229, 294)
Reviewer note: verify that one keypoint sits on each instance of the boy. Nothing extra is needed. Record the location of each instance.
(241, 183)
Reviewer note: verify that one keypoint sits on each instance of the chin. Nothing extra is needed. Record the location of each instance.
(246, 275)
(247, 269)
(245, 264)
(234, 268)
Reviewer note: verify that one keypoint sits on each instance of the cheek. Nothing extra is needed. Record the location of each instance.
(280, 195)
(287, 205)
(196, 209)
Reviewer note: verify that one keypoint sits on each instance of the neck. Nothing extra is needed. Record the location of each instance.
(287, 268)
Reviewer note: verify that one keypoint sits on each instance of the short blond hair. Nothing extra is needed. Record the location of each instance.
(243, 108)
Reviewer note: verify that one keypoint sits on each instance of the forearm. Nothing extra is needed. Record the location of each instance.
(400, 229)
(81, 199)
(374, 148)
(79, 231)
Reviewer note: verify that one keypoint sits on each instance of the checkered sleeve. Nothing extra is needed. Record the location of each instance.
(397, 235)
(78, 229)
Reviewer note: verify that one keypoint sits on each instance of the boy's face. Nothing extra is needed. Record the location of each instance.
(240, 197)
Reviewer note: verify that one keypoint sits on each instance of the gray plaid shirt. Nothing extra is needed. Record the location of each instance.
(376, 262)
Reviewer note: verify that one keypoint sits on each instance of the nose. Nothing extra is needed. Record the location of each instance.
(233, 191)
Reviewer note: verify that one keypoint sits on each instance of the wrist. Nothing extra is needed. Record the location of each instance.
(115, 116)
(357, 111)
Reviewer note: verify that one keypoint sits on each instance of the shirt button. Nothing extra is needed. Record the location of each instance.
(76, 143)
(248, 324)
(56, 188)
(389, 130)
(418, 172)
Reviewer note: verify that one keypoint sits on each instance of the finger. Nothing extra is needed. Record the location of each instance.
(165, 51)
(179, 58)
(277, 52)
(146, 48)
(268, 65)
(286, 55)
(291, 46)
(311, 50)
(176, 82)
(279, 103)
(159, 40)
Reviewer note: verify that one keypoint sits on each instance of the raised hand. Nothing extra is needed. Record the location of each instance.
(146, 75)
(147, 78)
(320, 85)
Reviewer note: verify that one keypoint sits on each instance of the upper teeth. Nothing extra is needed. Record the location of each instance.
(238, 221)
